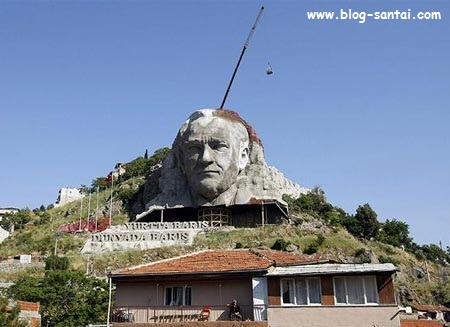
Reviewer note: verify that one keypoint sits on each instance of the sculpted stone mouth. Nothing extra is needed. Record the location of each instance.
(207, 172)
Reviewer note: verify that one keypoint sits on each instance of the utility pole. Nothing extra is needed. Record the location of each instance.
(262, 214)
(111, 202)
(89, 211)
(96, 210)
(81, 215)
(57, 235)
(109, 297)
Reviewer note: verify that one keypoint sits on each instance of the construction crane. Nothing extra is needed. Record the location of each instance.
(250, 35)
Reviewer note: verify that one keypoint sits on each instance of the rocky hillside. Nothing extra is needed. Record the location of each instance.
(316, 227)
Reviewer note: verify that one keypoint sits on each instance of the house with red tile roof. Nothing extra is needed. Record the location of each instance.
(271, 287)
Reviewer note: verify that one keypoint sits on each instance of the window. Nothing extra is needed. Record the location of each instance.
(287, 286)
(356, 290)
(301, 291)
(177, 296)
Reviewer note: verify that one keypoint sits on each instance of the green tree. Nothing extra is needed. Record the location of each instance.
(99, 182)
(68, 298)
(142, 166)
(135, 168)
(313, 202)
(18, 219)
(434, 253)
(158, 156)
(364, 223)
(395, 233)
(84, 189)
(316, 204)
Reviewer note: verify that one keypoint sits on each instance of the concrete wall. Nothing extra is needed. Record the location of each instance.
(67, 195)
(199, 324)
(3, 234)
(213, 293)
(336, 316)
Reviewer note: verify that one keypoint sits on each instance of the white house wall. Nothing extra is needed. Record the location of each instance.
(336, 316)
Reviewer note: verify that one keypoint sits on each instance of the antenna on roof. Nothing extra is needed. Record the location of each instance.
(242, 54)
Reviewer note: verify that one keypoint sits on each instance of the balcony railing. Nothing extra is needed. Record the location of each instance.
(164, 314)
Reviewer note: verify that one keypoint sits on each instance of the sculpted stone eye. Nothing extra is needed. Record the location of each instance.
(194, 148)
(219, 146)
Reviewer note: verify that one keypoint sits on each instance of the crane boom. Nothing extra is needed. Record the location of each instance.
(247, 41)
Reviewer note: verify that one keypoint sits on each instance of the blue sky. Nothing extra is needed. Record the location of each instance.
(361, 110)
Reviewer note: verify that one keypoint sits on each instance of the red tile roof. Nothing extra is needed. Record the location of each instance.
(429, 308)
(419, 323)
(25, 306)
(280, 258)
(28, 306)
(219, 261)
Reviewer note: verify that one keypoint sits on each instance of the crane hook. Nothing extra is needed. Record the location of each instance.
(269, 70)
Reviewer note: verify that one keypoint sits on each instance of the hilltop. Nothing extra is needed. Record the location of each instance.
(315, 227)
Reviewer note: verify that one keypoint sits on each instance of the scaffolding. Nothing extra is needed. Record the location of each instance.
(216, 217)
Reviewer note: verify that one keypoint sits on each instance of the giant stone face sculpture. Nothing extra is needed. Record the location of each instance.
(217, 159)
(213, 150)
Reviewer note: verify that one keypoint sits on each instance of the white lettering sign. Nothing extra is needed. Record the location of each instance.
(167, 225)
(145, 235)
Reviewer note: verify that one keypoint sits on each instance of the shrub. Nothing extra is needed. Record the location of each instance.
(315, 204)
(55, 262)
(320, 239)
(280, 245)
(44, 245)
(362, 255)
(238, 245)
(388, 259)
(311, 249)
(315, 245)
(126, 195)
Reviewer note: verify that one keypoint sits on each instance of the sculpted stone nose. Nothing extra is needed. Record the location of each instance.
(207, 154)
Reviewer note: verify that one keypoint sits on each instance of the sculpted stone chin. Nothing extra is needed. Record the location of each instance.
(217, 159)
